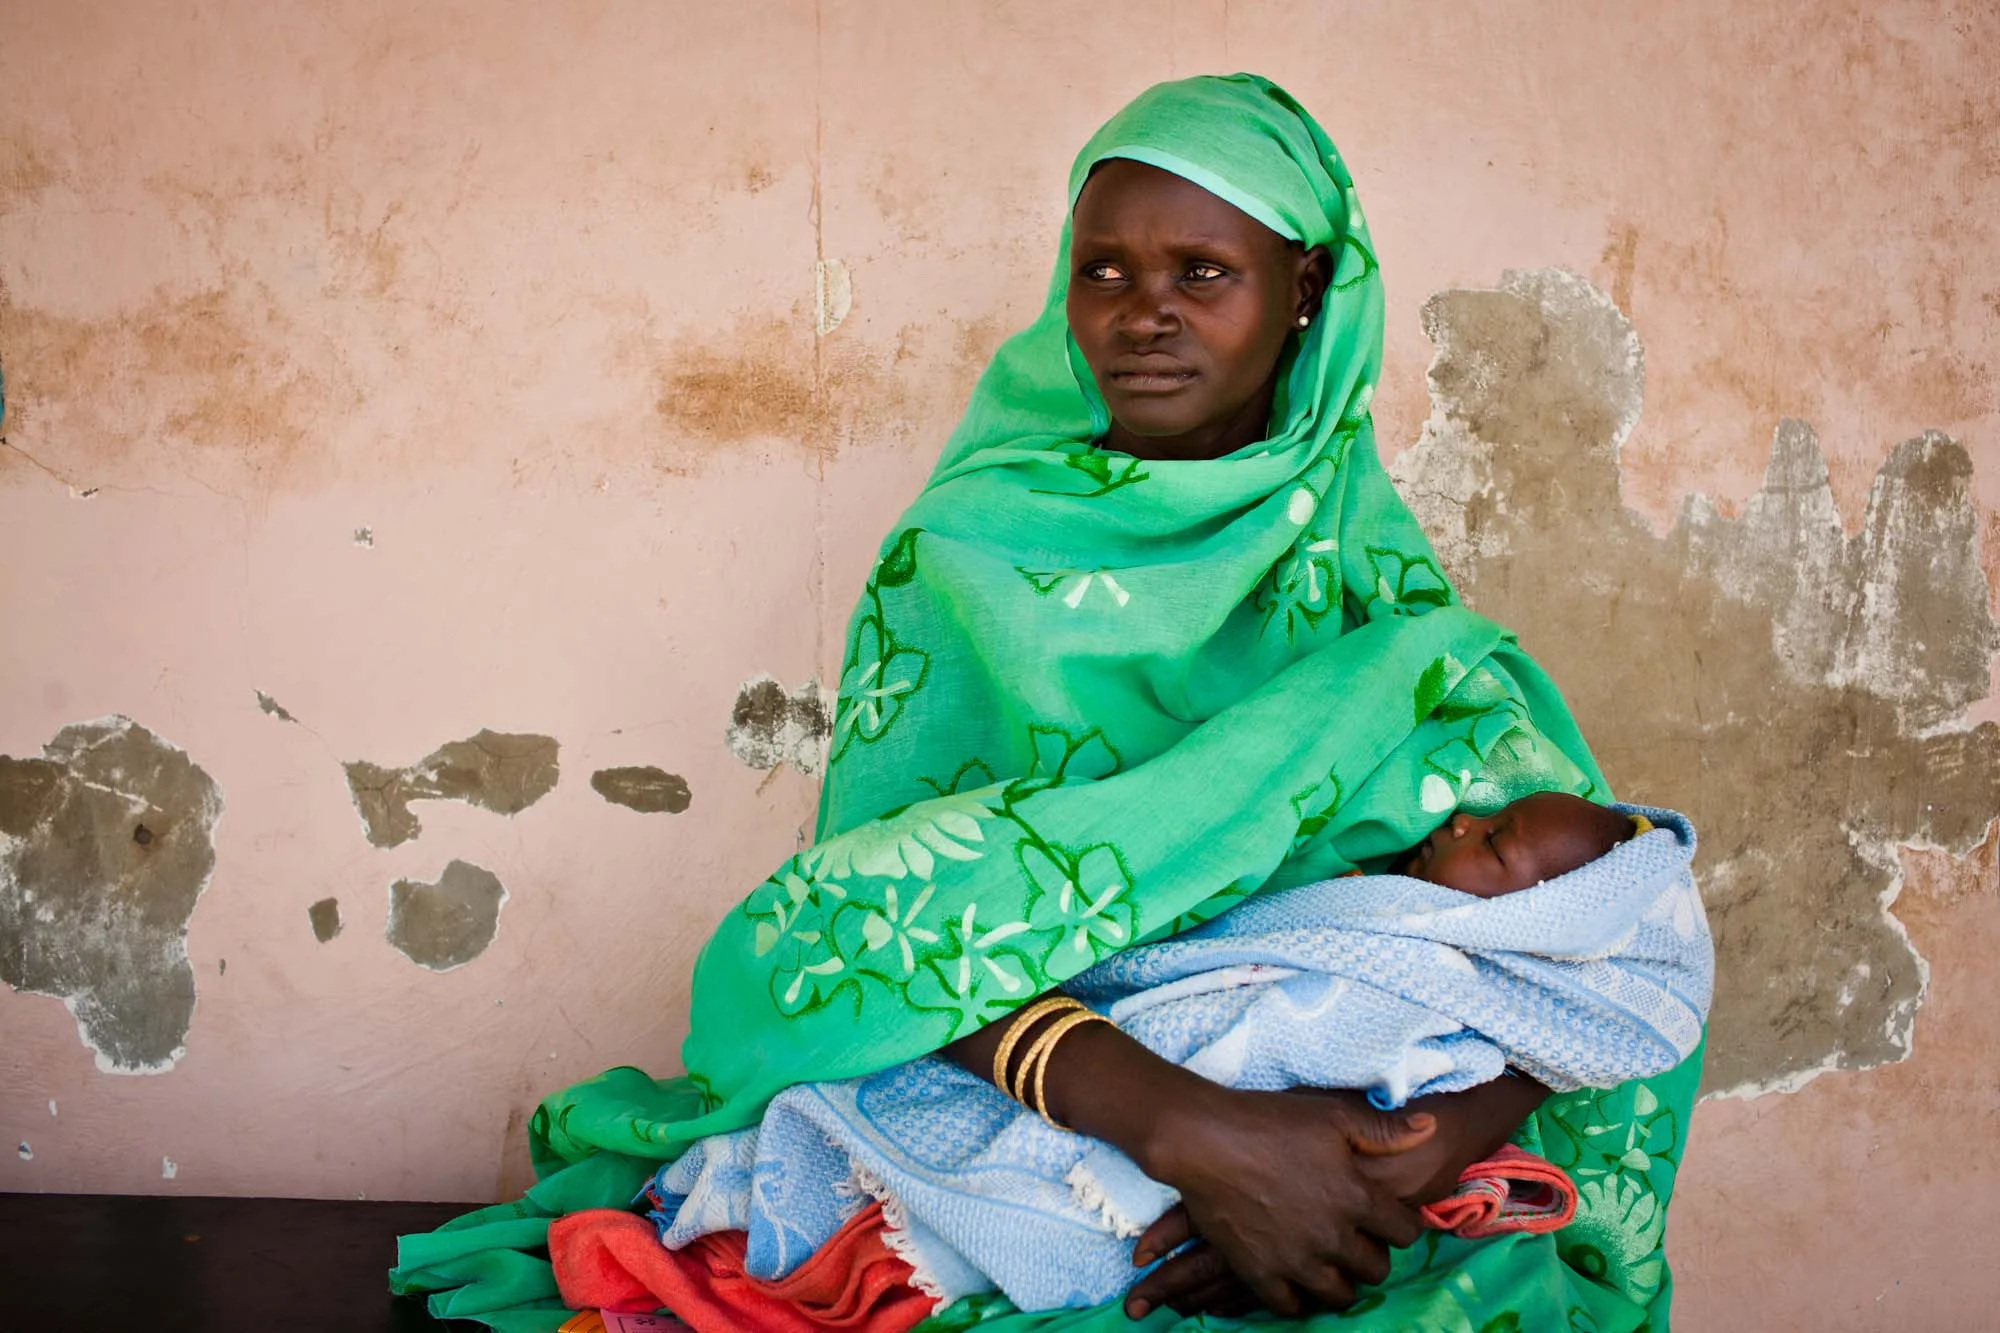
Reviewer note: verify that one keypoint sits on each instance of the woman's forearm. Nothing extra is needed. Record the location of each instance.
(1105, 1084)
(1099, 1082)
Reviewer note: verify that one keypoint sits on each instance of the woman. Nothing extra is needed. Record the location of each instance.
(1158, 635)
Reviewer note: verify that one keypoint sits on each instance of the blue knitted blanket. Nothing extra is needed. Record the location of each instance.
(1379, 982)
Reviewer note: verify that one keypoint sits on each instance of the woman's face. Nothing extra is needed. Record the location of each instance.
(1181, 304)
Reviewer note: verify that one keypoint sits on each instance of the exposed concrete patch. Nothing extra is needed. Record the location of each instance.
(273, 707)
(498, 771)
(650, 791)
(106, 843)
(325, 918)
(364, 537)
(1798, 692)
(769, 727)
(447, 924)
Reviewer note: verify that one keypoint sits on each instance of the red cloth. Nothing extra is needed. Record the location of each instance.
(1510, 1191)
(612, 1260)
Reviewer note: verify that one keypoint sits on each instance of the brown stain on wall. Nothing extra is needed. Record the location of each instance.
(498, 771)
(1794, 690)
(106, 842)
(213, 373)
(1621, 256)
(27, 167)
(770, 377)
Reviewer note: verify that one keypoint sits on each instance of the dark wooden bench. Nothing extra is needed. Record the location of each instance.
(79, 1263)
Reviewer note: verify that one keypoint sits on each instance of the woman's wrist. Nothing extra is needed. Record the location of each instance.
(1105, 1084)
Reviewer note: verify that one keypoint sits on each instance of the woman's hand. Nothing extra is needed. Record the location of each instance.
(1469, 1126)
(1298, 1196)
(1274, 1184)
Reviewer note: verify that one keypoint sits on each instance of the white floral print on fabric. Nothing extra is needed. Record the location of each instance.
(1081, 897)
(976, 978)
(894, 924)
(793, 914)
(873, 689)
(1073, 585)
(906, 843)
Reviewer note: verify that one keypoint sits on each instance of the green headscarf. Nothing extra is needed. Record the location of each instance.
(1090, 700)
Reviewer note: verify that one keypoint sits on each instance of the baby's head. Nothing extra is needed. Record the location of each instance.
(1537, 837)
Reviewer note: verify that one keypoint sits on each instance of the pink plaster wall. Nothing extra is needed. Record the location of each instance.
(528, 291)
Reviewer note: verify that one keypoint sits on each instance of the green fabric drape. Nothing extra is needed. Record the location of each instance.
(1089, 700)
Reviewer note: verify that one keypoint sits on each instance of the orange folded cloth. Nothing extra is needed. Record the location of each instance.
(612, 1260)
(1510, 1191)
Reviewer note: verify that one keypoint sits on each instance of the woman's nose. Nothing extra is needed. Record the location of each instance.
(1148, 315)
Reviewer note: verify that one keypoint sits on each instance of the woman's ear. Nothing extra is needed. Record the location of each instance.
(1314, 273)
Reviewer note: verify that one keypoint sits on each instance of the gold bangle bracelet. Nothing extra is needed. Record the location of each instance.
(1018, 1027)
(1061, 1028)
(1023, 1072)
(1038, 1052)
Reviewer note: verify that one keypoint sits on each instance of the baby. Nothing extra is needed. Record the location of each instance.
(1536, 838)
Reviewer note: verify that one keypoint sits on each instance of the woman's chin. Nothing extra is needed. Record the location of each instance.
(1160, 429)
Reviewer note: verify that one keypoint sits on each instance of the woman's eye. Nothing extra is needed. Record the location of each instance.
(1204, 272)
(1101, 272)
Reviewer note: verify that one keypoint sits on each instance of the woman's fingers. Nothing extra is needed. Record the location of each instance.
(1365, 1261)
(1211, 1298)
(1178, 1278)
(1170, 1231)
(1328, 1288)
(1386, 1133)
(1394, 1223)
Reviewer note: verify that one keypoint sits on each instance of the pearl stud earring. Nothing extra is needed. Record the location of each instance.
(1304, 320)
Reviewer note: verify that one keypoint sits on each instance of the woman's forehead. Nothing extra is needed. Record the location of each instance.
(1121, 195)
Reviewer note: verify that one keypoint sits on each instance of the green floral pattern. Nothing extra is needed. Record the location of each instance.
(1102, 474)
(880, 674)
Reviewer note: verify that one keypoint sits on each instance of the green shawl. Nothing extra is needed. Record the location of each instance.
(1090, 700)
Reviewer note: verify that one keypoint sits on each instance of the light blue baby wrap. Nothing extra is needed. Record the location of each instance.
(1378, 982)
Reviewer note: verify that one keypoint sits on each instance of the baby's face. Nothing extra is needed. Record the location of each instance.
(1536, 838)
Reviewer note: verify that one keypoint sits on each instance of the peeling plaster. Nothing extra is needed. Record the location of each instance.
(833, 294)
(106, 843)
(273, 707)
(1798, 692)
(650, 791)
(769, 727)
(493, 770)
(325, 918)
(447, 924)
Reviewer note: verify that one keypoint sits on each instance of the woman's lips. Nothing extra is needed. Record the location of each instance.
(1152, 379)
